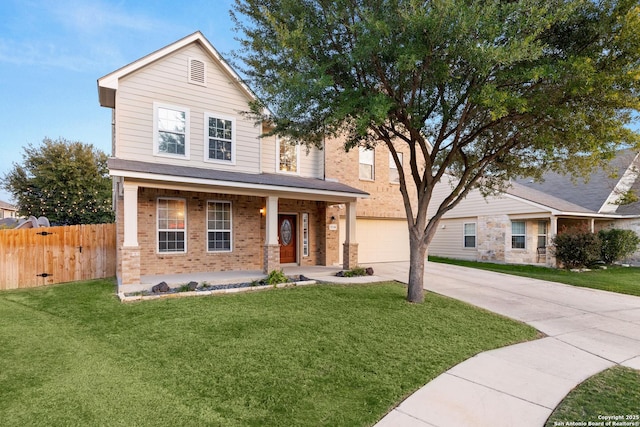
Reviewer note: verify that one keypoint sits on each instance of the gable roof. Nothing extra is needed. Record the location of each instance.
(108, 85)
(596, 194)
(7, 206)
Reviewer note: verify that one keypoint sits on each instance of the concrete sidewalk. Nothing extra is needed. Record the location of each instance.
(587, 331)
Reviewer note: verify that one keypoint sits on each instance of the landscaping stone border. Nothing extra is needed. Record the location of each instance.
(230, 290)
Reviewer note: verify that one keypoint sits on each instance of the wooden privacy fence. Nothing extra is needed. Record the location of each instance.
(44, 256)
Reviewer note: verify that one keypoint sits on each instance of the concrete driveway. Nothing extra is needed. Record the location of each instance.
(587, 331)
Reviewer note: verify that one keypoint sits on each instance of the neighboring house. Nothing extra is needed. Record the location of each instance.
(8, 210)
(518, 226)
(197, 189)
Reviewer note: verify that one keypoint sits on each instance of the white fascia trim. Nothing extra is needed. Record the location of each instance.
(110, 81)
(625, 183)
(556, 212)
(233, 185)
(529, 202)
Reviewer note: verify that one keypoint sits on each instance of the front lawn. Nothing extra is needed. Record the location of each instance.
(323, 355)
(624, 280)
(614, 393)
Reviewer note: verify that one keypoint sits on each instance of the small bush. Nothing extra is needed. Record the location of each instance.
(276, 277)
(355, 272)
(616, 244)
(576, 247)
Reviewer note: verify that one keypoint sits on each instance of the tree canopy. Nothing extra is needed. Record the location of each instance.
(481, 91)
(68, 182)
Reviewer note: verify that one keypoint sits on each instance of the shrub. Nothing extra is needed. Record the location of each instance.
(275, 277)
(576, 247)
(616, 244)
(355, 272)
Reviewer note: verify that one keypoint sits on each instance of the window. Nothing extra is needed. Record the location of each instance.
(470, 235)
(394, 176)
(219, 139)
(288, 154)
(305, 234)
(518, 234)
(171, 131)
(172, 225)
(367, 157)
(542, 234)
(219, 226)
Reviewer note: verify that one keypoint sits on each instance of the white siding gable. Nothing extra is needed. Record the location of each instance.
(476, 205)
(166, 81)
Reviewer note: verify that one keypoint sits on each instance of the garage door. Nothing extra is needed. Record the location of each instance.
(379, 240)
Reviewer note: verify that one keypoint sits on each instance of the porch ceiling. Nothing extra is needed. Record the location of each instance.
(211, 180)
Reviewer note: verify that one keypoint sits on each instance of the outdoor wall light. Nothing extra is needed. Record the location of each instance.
(262, 211)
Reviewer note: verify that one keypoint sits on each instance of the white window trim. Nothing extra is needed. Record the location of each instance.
(373, 163)
(475, 235)
(297, 172)
(392, 165)
(524, 235)
(156, 145)
(209, 230)
(234, 147)
(158, 230)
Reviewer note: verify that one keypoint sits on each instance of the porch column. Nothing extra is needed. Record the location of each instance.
(130, 215)
(130, 250)
(350, 248)
(271, 260)
(592, 225)
(551, 260)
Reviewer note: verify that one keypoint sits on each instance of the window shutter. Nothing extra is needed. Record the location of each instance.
(197, 72)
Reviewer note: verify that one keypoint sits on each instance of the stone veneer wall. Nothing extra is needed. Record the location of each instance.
(491, 237)
(529, 255)
(624, 224)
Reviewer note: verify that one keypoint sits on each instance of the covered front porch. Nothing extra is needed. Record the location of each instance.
(532, 235)
(204, 226)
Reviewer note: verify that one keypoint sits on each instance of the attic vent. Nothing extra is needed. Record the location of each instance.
(197, 72)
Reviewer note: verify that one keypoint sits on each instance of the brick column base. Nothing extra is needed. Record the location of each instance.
(349, 255)
(130, 265)
(271, 260)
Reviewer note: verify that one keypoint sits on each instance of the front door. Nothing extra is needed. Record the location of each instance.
(287, 238)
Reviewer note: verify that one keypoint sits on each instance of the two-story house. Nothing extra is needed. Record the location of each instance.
(198, 189)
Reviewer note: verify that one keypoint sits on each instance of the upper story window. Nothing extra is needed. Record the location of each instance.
(219, 138)
(172, 225)
(288, 156)
(367, 157)
(470, 235)
(518, 234)
(171, 130)
(394, 176)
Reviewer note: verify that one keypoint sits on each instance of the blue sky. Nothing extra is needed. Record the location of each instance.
(53, 51)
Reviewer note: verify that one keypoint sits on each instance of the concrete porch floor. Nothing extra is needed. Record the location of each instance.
(318, 273)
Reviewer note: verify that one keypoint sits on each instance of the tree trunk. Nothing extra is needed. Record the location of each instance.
(415, 290)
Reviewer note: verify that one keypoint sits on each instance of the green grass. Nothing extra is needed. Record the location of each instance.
(624, 280)
(329, 355)
(614, 392)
